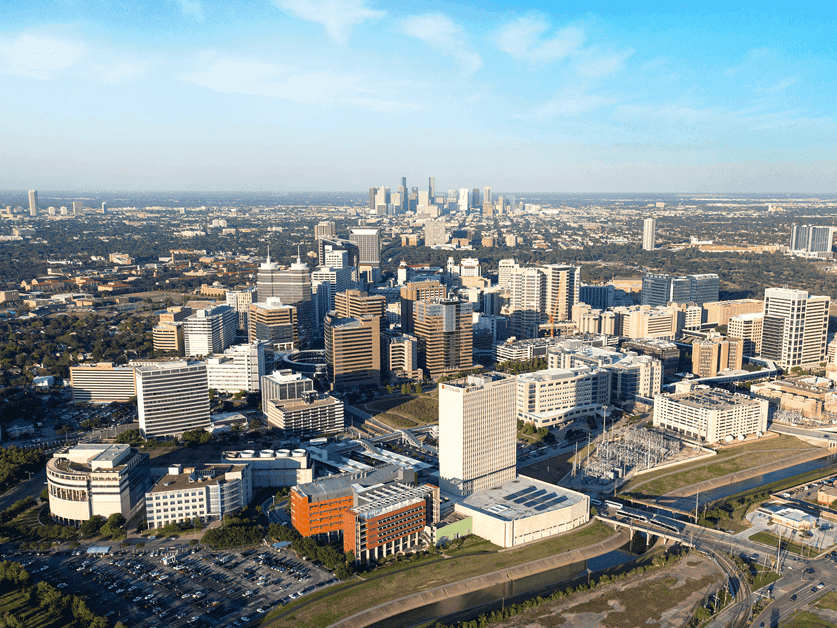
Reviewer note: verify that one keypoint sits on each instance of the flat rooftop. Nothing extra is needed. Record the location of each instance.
(520, 498)
(712, 398)
(181, 481)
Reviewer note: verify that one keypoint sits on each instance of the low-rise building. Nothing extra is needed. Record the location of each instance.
(206, 493)
(827, 495)
(96, 479)
(311, 414)
(104, 382)
(284, 384)
(710, 414)
(554, 396)
(280, 467)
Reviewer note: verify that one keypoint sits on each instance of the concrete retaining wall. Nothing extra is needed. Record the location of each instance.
(749, 473)
(417, 600)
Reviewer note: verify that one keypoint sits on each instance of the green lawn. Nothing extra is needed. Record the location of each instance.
(17, 604)
(804, 619)
(829, 601)
(728, 460)
(768, 538)
(348, 600)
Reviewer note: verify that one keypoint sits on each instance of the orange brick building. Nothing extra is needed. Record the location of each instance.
(389, 519)
(317, 507)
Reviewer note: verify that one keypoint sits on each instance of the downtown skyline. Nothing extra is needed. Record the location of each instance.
(296, 95)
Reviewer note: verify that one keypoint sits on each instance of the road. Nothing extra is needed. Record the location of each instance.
(28, 488)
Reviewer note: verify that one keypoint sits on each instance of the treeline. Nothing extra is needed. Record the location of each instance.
(324, 553)
(29, 601)
(15, 464)
(522, 366)
(239, 529)
(510, 611)
(52, 345)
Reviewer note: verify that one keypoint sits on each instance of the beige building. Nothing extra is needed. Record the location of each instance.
(399, 355)
(96, 479)
(102, 383)
(795, 327)
(644, 321)
(812, 397)
(274, 322)
(280, 467)
(444, 330)
(715, 354)
(477, 433)
(554, 396)
(523, 510)
(311, 414)
(353, 351)
(430, 290)
(720, 312)
(710, 414)
(354, 303)
(749, 328)
(169, 337)
(207, 493)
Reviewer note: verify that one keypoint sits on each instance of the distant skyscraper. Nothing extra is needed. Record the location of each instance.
(463, 199)
(486, 194)
(794, 328)
(240, 301)
(324, 229)
(815, 239)
(434, 232)
(477, 432)
(475, 197)
(78, 208)
(649, 234)
(33, 202)
(210, 330)
(404, 182)
(662, 289)
(373, 192)
(104, 208)
(431, 186)
(293, 287)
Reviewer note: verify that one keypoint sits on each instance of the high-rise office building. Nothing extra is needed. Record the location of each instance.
(504, 271)
(368, 242)
(104, 382)
(353, 351)
(444, 329)
(431, 290)
(326, 283)
(540, 294)
(475, 197)
(816, 240)
(716, 353)
(477, 433)
(33, 202)
(794, 328)
(463, 200)
(431, 186)
(373, 192)
(486, 194)
(660, 289)
(78, 208)
(334, 244)
(210, 330)
(354, 303)
(324, 229)
(649, 234)
(240, 368)
(275, 322)
(240, 301)
(293, 287)
(172, 398)
(434, 232)
(749, 328)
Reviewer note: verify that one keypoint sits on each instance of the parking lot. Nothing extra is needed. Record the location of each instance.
(172, 584)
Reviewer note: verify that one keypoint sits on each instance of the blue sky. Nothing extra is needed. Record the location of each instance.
(346, 94)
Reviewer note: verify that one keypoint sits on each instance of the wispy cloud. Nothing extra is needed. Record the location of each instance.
(39, 56)
(567, 104)
(337, 16)
(258, 78)
(522, 39)
(751, 58)
(443, 35)
(192, 9)
(594, 63)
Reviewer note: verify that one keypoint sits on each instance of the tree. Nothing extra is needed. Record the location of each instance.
(92, 526)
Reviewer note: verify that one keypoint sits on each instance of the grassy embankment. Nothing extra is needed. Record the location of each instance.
(467, 562)
(406, 411)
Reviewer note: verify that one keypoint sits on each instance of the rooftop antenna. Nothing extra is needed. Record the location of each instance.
(298, 255)
(268, 254)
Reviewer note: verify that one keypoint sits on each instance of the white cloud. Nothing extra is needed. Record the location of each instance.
(192, 9)
(595, 64)
(521, 38)
(443, 35)
(337, 16)
(258, 78)
(39, 56)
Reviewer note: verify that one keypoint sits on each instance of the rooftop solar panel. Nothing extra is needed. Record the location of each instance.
(514, 496)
